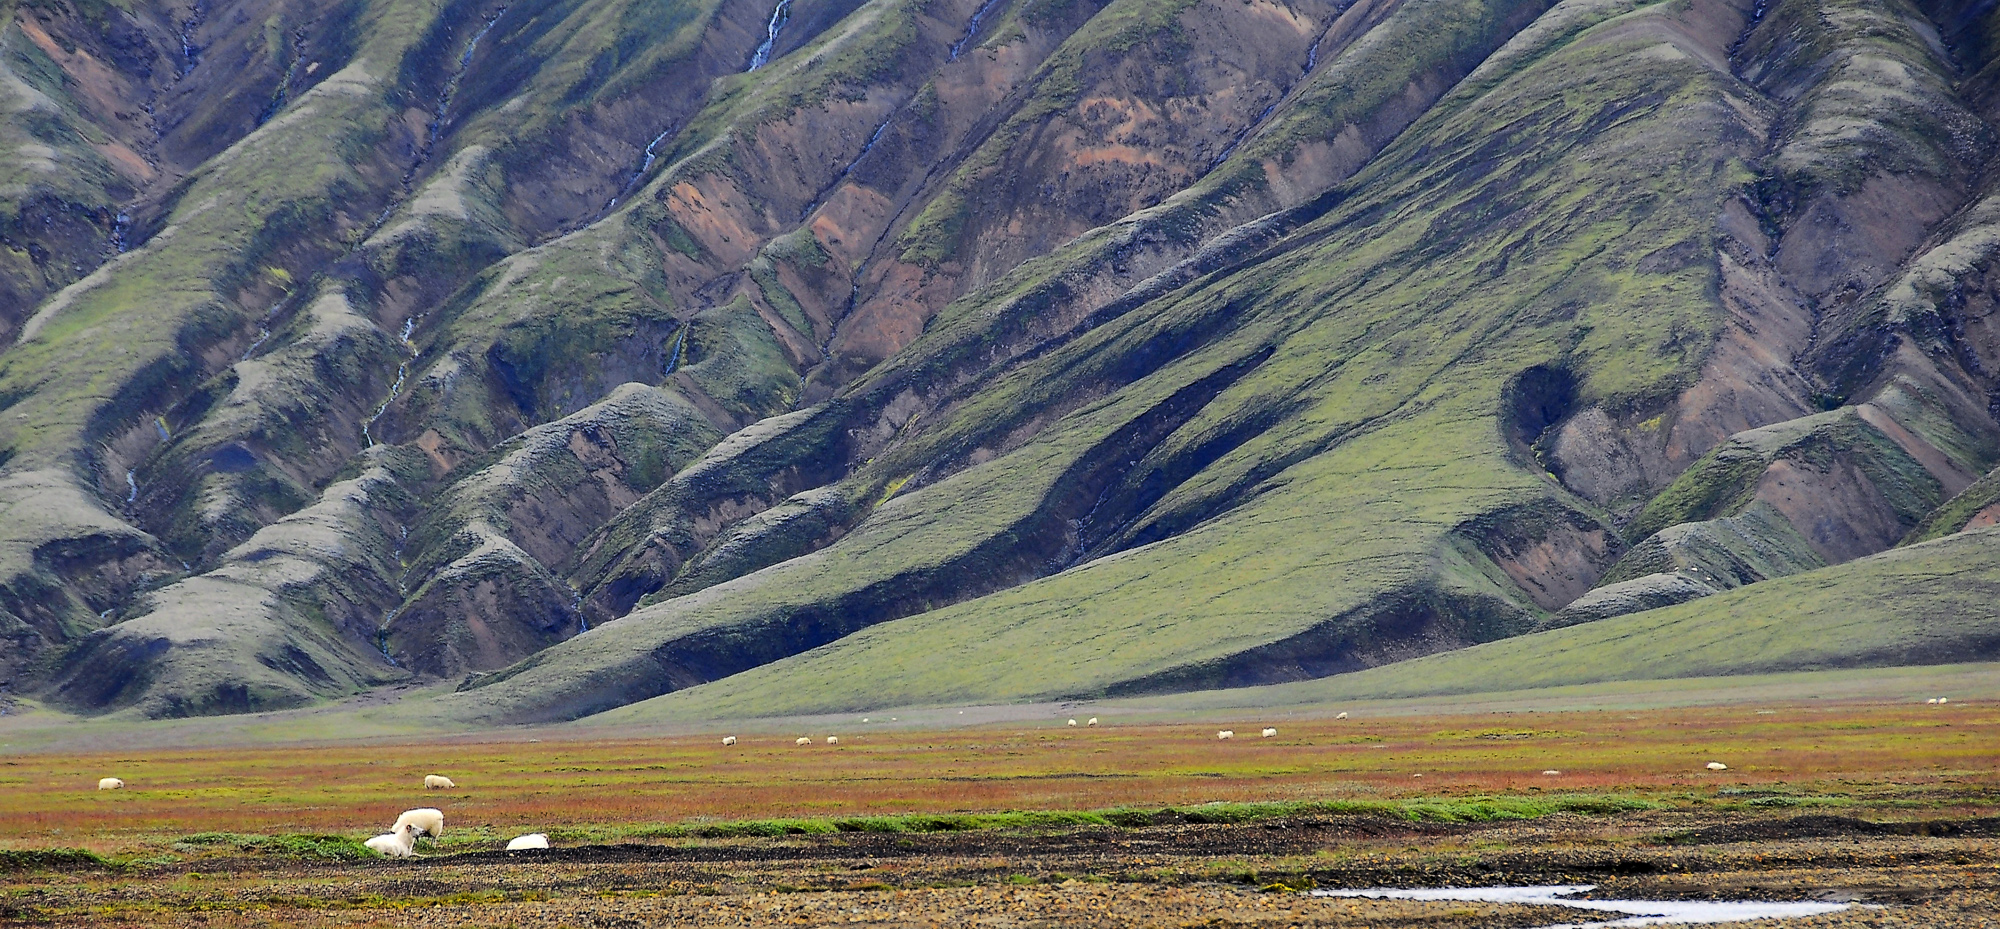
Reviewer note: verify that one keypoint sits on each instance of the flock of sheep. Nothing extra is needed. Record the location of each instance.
(401, 839)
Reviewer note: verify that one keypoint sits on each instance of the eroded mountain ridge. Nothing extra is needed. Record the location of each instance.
(865, 353)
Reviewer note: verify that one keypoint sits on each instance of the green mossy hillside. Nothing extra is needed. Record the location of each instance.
(1378, 340)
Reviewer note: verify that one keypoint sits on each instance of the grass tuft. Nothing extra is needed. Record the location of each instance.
(295, 845)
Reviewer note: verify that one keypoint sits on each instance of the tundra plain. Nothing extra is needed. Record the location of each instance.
(1836, 789)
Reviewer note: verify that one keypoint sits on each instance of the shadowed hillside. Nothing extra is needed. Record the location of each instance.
(848, 354)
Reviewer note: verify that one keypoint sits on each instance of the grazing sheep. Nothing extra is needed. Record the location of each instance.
(1270, 732)
(531, 840)
(110, 783)
(1551, 773)
(1341, 716)
(729, 740)
(833, 740)
(1093, 721)
(399, 843)
(1942, 700)
(1932, 701)
(1072, 724)
(1717, 766)
(1226, 734)
(803, 741)
(438, 782)
(425, 821)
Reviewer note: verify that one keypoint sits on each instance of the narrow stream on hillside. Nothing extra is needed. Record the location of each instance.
(382, 637)
(445, 96)
(263, 330)
(432, 133)
(190, 52)
(284, 91)
(402, 376)
(779, 16)
(1312, 61)
(972, 28)
(650, 155)
(819, 199)
(1631, 912)
(1230, 149)
(121, 227)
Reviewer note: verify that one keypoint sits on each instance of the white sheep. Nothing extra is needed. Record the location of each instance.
(531, 840)
(399, 843)
(1268, 732)
(1717, 766)
(1932, 701)
(1943, 700)
(803, 741)
(425, 821)
(1341, 716)
(1093, 721)
(438, 782)
(1072, 724)
(729, 740)
(1552, 773)
(833, 740)
(1226, 734)
(110, 783)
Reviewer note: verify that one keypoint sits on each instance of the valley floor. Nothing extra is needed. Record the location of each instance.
(1844, 786)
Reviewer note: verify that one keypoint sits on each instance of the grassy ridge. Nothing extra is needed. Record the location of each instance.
(1922, 604)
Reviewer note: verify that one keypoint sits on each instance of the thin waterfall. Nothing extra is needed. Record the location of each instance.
(680, 346)
(779, 15)
(121, 232)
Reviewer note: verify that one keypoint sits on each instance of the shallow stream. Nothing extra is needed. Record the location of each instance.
(1635, 912)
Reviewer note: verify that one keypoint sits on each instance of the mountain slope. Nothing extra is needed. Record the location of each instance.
(592, 351)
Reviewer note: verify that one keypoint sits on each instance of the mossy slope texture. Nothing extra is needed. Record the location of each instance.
(621, 352)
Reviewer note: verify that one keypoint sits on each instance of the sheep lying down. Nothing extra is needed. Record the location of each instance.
(399, 843)
(531, 840)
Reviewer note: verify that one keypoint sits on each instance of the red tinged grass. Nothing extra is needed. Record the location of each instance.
(1851, 755)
